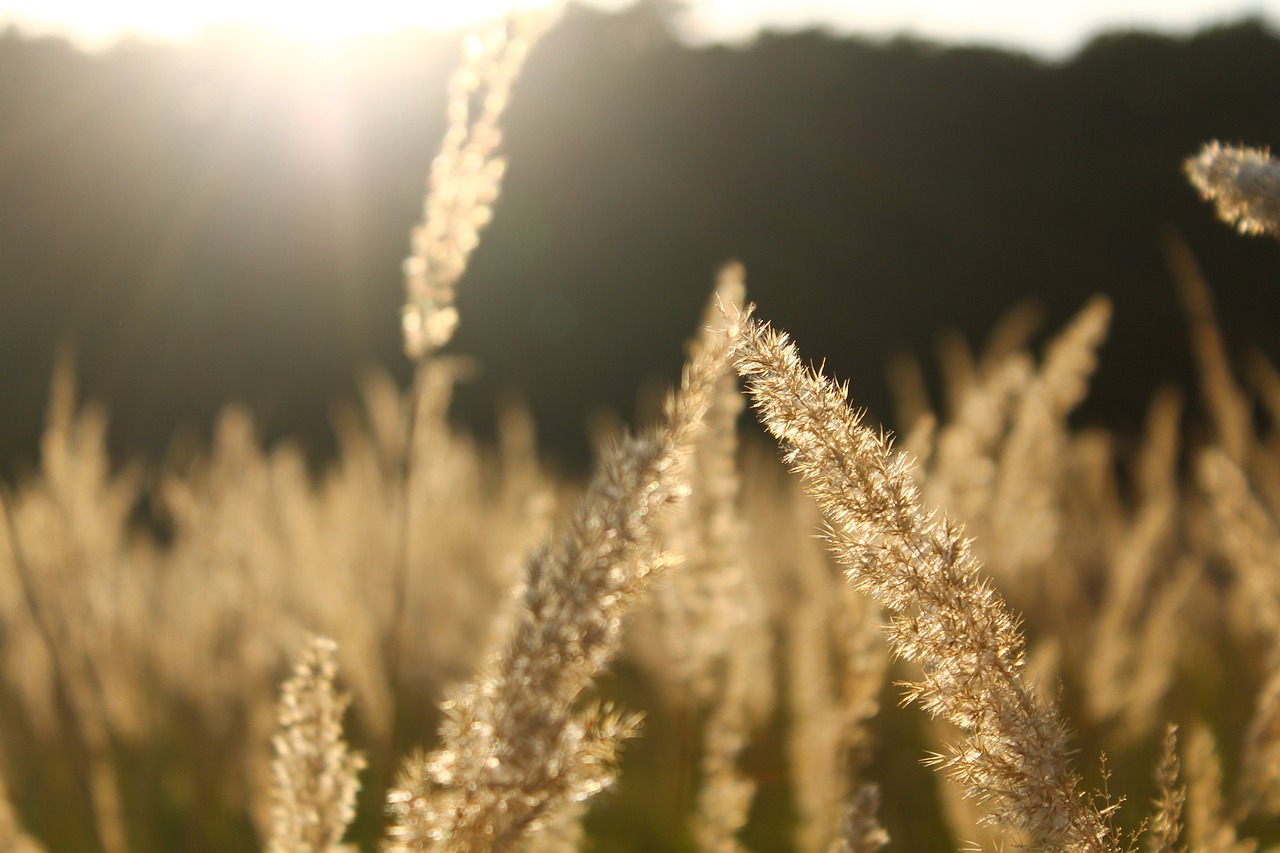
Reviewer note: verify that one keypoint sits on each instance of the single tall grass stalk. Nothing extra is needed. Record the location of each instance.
(465, 179)
(516, 750)
(943, 614)
(464, 182)
(314, 774)
(1166, 825)
(1243, 183)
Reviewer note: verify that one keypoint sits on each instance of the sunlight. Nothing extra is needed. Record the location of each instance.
(94, 21)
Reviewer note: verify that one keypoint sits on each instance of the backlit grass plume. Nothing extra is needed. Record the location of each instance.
(516, 750)
(943, 614)
(1243, 183)
(465, 179)
(314, 774)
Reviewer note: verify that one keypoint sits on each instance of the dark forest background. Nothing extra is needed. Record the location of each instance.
(175, 215)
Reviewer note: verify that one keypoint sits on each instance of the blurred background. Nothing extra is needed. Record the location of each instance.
(206, 210)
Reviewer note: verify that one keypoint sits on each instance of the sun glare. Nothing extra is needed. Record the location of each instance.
(96, 22)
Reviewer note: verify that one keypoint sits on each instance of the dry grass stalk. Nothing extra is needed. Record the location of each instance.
(464, 182)
(315, 775)
(515, 751)
(1209, 827)
(466, 177)
(1026, 512)
(1264, 382)
(714, 621)
(1011, 336)
(836, 665)
(910, 393)
(1258, 791)
(1131, 660)
(1166, 824)
(832, 661)
(919, 567)
(706, 608)
(963, 465)
(1228, 406)
(959, 369)
(1249, 540)
(1242, 182)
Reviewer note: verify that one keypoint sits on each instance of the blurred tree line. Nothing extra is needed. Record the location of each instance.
(225, 221)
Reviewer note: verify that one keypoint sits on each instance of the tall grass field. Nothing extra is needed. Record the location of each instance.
(990, 630)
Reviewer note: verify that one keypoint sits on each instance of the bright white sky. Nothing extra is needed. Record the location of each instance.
(1043, 26)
